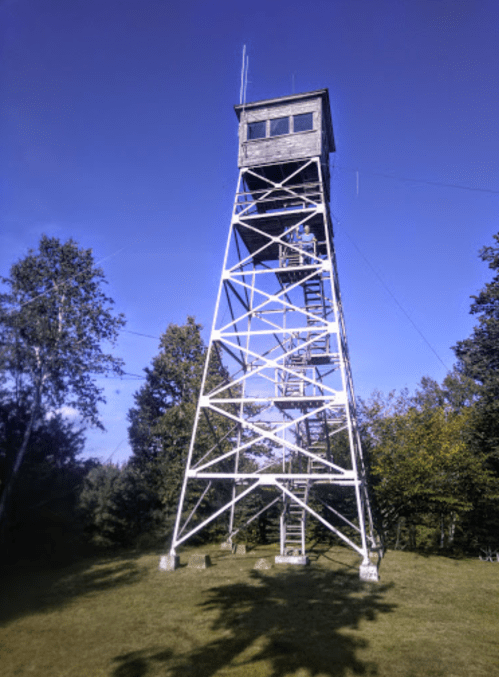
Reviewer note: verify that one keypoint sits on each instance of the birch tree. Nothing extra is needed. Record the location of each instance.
(55, 321)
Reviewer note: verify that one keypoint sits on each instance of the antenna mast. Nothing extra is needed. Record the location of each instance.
(244, 77)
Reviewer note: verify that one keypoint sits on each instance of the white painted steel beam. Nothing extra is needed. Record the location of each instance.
(284, 416)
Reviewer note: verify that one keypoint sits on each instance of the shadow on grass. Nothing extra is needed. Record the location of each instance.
(276, 625)
(31, 589)
(137, 663)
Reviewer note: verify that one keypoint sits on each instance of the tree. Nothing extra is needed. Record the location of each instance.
(42, 509)
(54, 318)
(425, 470)
(173, 381)
(115, 506)
(161, 421)
(478, 359)
(479, 354)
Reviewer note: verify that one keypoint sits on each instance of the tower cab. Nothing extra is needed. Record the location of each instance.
(285, 129)
(284, 147)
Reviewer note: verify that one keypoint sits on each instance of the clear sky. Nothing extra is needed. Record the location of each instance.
(118, 130)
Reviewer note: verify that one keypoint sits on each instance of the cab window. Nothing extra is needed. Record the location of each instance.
(303, 122)
(279, 126)
(256, 130)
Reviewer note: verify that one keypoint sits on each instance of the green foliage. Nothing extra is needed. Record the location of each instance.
(478, 359)
(425, 470)
(435, 456)
(53, 320)
(479, 354)
(54, 440)
(42, 510)
(162, 419)
(116, 506)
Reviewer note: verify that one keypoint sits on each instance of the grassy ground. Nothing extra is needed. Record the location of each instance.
(121, 617)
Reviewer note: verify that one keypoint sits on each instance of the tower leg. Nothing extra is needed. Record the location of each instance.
(280, 415)
(368, 571)
(169, 562)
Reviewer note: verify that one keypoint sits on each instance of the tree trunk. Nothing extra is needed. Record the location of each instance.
(452, 528)
(412, 536)
(399, 528)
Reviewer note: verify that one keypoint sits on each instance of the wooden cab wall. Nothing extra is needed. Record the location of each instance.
(285, 129)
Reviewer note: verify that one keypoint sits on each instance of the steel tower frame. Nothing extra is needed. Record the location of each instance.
(281, 415)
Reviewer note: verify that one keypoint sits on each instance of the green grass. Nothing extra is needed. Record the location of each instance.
(121, 617)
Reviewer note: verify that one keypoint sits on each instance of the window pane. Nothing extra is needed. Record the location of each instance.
(256, 130)
(279, 126)
(303, 122)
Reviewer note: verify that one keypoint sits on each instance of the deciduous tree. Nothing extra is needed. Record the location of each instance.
(425, 469)
(54, 320)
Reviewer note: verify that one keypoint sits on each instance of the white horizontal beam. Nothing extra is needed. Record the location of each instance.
(345, 479)
(339, 399)
(325, 328)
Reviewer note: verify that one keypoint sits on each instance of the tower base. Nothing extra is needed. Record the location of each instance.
(169, 562)
(368, 572)
(299, 560)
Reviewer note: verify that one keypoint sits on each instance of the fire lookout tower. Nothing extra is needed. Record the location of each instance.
(276, 429)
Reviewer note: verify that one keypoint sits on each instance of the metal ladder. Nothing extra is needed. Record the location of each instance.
(294, 520)
(313, 292)
(294, 384)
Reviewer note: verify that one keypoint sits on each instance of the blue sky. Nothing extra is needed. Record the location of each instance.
(117, 129)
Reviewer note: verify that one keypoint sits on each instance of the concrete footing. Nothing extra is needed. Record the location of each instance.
(199, 562)
(262, 564)
(169, 562)
(240, 549)
(299, 560)
(368, 572)
(226, 545)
